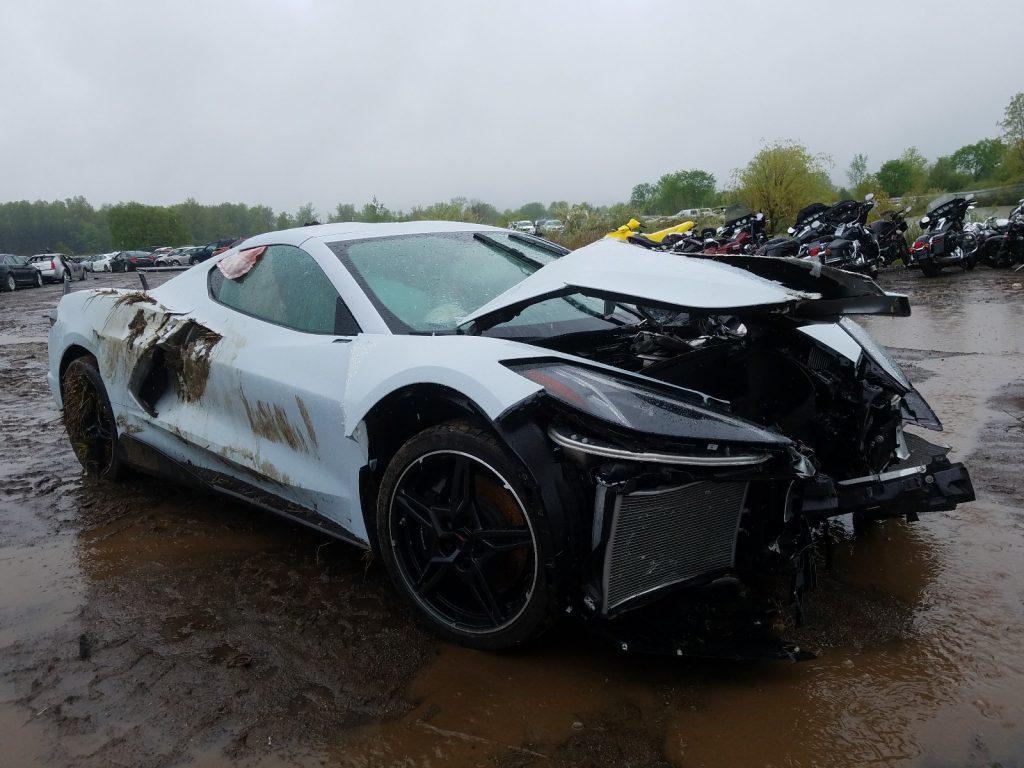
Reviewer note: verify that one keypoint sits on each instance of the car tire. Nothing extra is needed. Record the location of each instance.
(39, 279)
(929, 270)
(106, 267)
(464, 540)
(10, 284)
(89, 419)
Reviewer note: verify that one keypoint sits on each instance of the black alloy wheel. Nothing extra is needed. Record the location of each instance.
(462, 541)
(89, 419)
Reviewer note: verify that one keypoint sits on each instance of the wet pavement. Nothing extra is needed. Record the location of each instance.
(146, 625)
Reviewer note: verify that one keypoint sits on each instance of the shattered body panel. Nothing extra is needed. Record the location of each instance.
(690, 442)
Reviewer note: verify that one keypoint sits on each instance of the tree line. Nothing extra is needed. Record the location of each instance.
(779, 180)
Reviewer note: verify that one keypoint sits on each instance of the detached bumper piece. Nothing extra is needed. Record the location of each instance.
(924, 482)
(716, 621)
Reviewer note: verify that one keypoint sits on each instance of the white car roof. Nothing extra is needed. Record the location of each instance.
(358, 230)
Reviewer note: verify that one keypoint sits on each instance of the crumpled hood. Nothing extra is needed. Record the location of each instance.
(622, 272)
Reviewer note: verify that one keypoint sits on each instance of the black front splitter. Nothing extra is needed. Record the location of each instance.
(715, 622)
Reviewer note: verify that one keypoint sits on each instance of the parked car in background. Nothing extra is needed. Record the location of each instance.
(209, 249)
(56, 267)
(525, 225)
(228, 246)
(117, 261)
(17, 271)
(549, 227)
(139, 258)
(100, 262)
(89, 262)
(176, 257)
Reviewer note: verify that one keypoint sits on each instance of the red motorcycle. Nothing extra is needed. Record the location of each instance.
(741, 233)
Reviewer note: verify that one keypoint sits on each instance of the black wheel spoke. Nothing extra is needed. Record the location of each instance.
(481, 589)
(435, 569)
(461, 492)
(504, 540)
(421, 513)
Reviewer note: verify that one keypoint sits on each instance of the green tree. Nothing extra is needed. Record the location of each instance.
(980, 160)
(133, 225)
(945, 174)
(857, 170)
(1013, 126)
(305, 215)
(344, 212)
(781, 179)
(481, 212)
(532, 211)
(906, 173)
(559, 209)
(642, 197)
(683, 189)
(453, 210)
(375, 211)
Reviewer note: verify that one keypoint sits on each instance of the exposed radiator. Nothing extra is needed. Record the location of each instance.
(666, 536)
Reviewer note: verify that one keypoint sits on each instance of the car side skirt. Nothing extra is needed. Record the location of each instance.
(152, 461)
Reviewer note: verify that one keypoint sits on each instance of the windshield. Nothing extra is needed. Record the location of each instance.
(940, 201)
(427, 283)
(810, 212)
(844, 211)
(734, 213)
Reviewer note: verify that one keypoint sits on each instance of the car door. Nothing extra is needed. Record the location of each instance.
(261, 368)
(23, 270)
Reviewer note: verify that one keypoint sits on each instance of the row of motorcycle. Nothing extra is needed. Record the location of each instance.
(838, 235)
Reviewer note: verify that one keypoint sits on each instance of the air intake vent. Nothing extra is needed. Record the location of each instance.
(819, 360)
(666, 536)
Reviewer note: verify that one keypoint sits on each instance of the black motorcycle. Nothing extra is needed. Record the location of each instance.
(807, 228)
(852, 246)
(888, 232)
(943, 244)
(1002, 240)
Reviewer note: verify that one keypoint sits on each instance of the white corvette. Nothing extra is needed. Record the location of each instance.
(648, 441)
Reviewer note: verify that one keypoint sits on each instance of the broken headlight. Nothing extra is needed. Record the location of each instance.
(642, 407)
(875, 351)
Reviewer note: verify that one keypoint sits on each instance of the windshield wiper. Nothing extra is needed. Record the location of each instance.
(543, 245)
(497, 244)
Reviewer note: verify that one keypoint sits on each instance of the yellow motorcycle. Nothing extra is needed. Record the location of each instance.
(633, 227)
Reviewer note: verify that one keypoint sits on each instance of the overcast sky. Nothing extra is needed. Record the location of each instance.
(283, 102)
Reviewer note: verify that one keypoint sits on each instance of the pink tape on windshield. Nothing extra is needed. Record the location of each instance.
(234, 267)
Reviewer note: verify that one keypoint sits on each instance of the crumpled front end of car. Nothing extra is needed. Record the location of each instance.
(710, 463)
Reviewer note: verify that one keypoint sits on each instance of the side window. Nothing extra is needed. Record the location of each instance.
(286, 287)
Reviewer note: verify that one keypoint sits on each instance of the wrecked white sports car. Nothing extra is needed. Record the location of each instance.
(648, 441)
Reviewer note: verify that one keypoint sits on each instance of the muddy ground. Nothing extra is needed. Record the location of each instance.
(145, 625)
